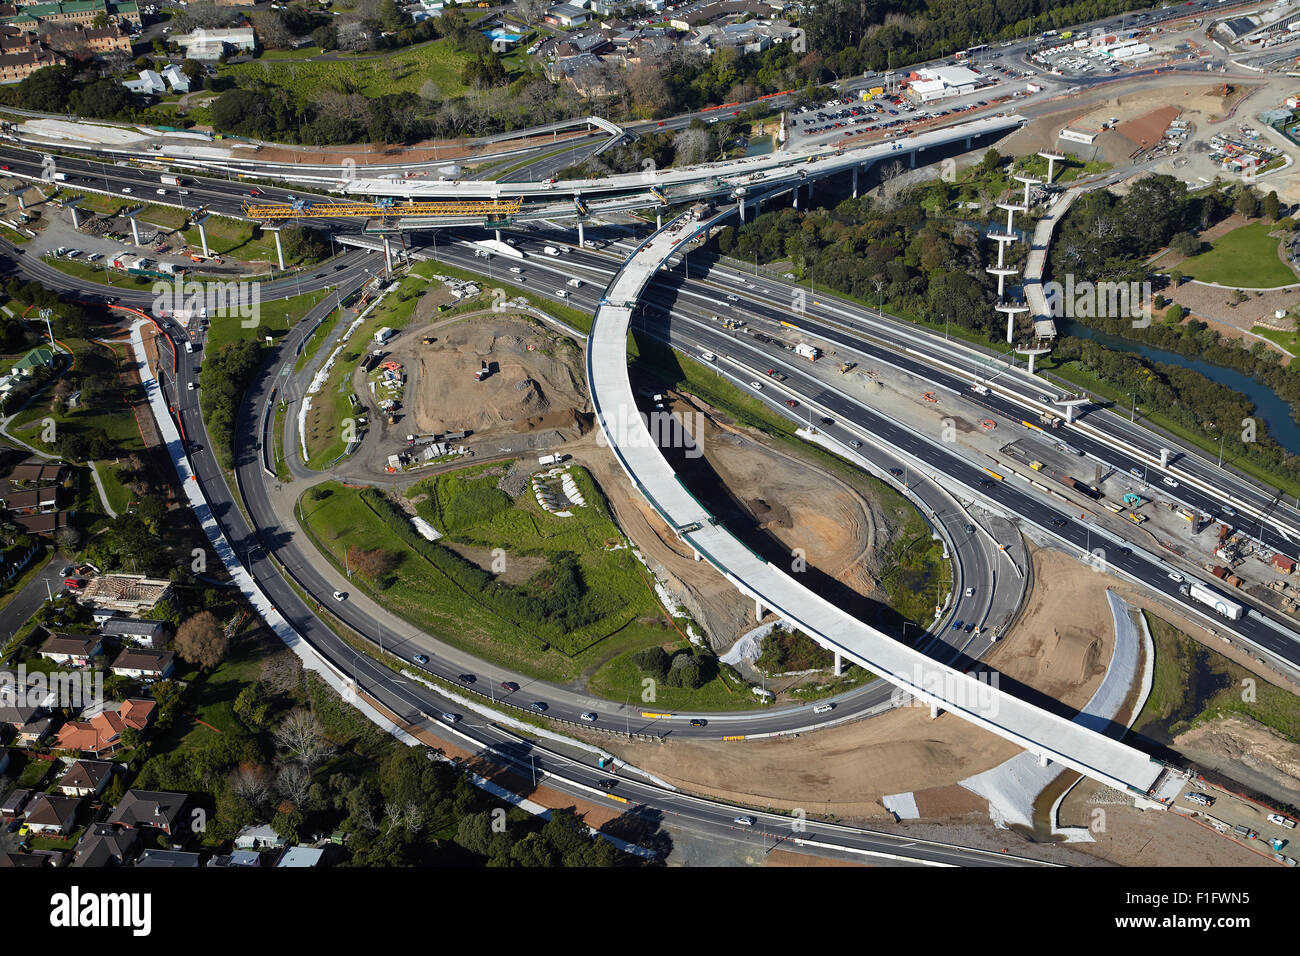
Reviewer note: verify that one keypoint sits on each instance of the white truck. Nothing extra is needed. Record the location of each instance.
(810, 352)
(60, 177)
(552, 459)
(550, 250)
(170, 180)
(575, 283)
(708, 356)
(1229, 609)
(979, 389)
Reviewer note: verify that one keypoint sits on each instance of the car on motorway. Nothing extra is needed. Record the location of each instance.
(896, 472)
(340, 596)
(855, 443)
(1230, 511)
(67, 570)
(450, 717)
(1176, 577)
(827, 421)
(823, 708)
(969, 627)
(421, 658)
(1135, 472)
(509, 686)
(956, 625)
(968, 528)
(699, 722)
(1169, 482)
(191, 386)
(561, 293)
(757, 386)
(466, 678)
(126, 189)
(538, 706)
(589, 716)
(1058, 522)
(792, 403)
(743, 821)
(970, 592)
(255, 191)
(609, 783)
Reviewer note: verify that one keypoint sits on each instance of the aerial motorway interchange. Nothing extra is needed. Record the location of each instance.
(586, 485)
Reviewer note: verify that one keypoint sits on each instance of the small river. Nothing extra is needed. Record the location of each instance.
(1275, 413)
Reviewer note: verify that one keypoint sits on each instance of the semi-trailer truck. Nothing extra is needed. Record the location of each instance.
(1229, 609)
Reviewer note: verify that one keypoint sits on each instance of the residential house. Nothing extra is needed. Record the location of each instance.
(584, 71)
(75, 13)
(41, 357)
(178, 81)
(101, 735)
(32, 733)
(261, 836)
(75, 650)
(105, 845)
(213, 44)
(298, 857)
(168, 858)
(151, 809)
(25, 860)
(150, 83)
(244, 858)
(31, 500)
(567, 15)
(138, 662)
(15, 803)
(16, 713)
(22, 54)
(49, 813)
(138, 631)
(86, 778)
(133, 594)
(37, 471)
(97, 40)
(50, 523)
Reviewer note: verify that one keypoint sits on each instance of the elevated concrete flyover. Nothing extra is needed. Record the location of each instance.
(1049, 736)
(770, 174)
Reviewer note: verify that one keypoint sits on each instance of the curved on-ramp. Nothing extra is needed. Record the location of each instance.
(1048, 735)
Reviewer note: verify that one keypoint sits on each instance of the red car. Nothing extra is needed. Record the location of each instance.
(792, 403)
(72, 582)
(255, 191)
(663, 124)
(4, 167)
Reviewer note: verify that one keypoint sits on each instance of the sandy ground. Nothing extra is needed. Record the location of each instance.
(1251, 753)
(1126, 836)
(1065, 635)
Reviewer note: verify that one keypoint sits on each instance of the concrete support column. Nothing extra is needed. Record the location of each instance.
(580, 244)
(22, 206)
(796, 197)
(969, 141)
(912, 158)
(135, 230)
(497, 232)
(203, 239)
(934, 711)
(1043, 761)
(1069, 413)
(758, 609)
(659, 220)
(76, 220)
(810, 190)
(388, 255)
(1032, 356)
(758, 208)
(1164, 457)
(855, 182)
(1011, 326)
(279, 250)
(740, 207)
(835, 671)
(697, 554)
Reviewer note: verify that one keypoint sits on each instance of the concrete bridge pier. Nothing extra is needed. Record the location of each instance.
(659, 220)
(388, 255)
(696, 553)
(279, 247)
(758, 609)
(135, 227)
(969, 141)
(740, 207)
(76, 218)
(580, 240)
(796, 197)
(855, 182)
(935, 711)
(497, 233)
(1043, 760)
(835, 669)
(203, 233)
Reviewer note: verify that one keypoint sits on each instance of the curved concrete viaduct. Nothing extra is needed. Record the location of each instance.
(1050, 736)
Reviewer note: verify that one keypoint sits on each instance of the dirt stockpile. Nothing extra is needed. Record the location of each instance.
(1246, 750)
(535, 381)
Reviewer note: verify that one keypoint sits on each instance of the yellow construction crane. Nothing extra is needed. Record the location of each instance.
(383, 208)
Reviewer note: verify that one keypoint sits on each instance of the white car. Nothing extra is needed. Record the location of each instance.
(740, 821)
(191, 386)
(823, 708)
(970, 592)
(757, 386)
(1170, 482)
(562, 293)
(126, 189)
(161, 192)
(339, 595)
(589, 717)
(1176, 577)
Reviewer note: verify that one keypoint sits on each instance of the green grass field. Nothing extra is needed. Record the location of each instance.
(1245, 258)
(1287, 341)
(374, 75)
(622, 612)
(1193, 684)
